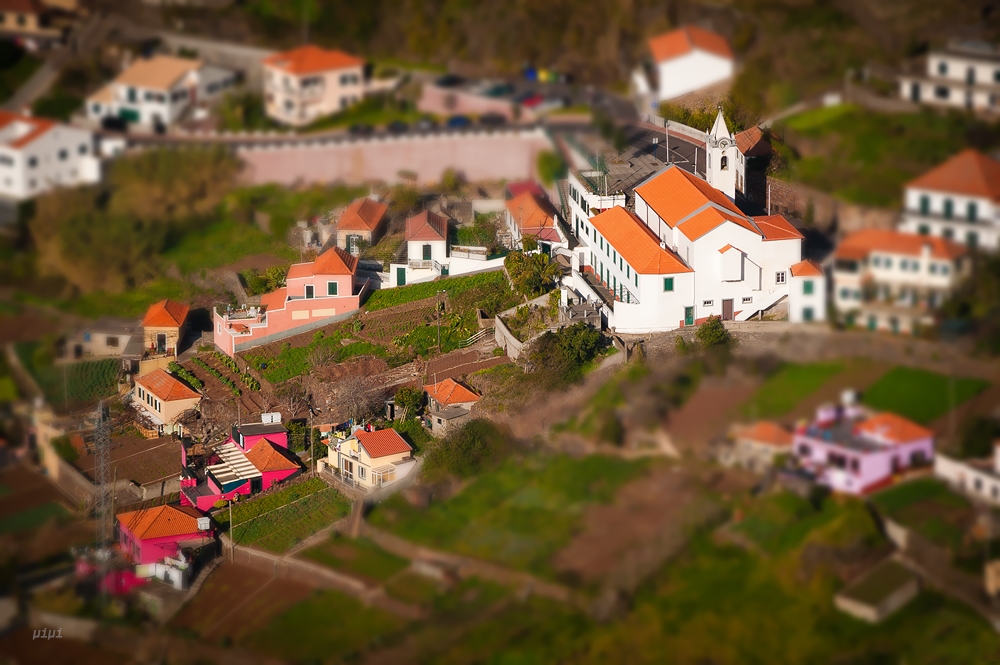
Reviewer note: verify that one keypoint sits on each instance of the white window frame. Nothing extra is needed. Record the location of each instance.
(707, 303)
(779, 277)
(336, 288)
(747, 300)
(310, 292)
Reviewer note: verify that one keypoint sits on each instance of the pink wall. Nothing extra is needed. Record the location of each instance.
(874, 467)
(152, 550)
(454, 101)
(297, 286)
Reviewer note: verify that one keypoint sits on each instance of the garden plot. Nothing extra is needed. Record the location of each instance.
(386, 325)
(253, 402)
(82, 383)
(928, 507)
(921, 395)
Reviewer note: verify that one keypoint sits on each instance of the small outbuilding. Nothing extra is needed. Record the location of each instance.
(879, 593)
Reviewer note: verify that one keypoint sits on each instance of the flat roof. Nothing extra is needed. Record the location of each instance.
(262, 428)
(234, 465)
(842, 434)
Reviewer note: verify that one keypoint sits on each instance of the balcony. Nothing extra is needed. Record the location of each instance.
(424, 265)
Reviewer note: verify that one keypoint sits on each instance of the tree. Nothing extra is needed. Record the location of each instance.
(713, 334)
(291, 398)
(409, 400)
(551, 167)
(529, 243)
(358, 400)
(451, 180)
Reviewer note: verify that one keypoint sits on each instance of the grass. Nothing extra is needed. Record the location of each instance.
(518, 515)
(16, 73)
(372, 111)
(287, 206)
(58, 104)
(77, 382)
(293, 361)
(222, 243)
(788, 386)
(413, 432)
(327, 627)
(455, 286)
(880, 582)
(920, 395)
(360, 557)
(133, 302)
(814, 119)
(32, 517)
(778, 523)
(413, 588)
(282, 529)
(930, 508)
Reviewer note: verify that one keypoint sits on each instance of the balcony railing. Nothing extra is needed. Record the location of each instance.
(425, 265)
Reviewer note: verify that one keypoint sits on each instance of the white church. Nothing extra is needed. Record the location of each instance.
(683, 251)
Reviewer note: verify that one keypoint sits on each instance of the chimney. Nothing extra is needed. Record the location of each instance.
(663, 245)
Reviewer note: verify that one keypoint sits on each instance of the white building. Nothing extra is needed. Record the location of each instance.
(158, 90)
(684, 60)
(959, 200)
(37, 155)
(426, 249)
(807, 292)
(891, 280)
(963, 75)
(530, 215)
(976, 478)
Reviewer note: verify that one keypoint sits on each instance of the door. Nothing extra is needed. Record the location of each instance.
(348, 469)
(872, 323)
(427, 252)
(546, 249)
(256, 485)
(400, 276)
(128, 115)
(310, 291)
(161, 342)
(915, 92)
(727, 310)
(689, 316)
(78, 351)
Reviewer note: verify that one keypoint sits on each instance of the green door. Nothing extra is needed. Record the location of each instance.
(689, 316)
(128, 115)
(871, 323)
(546, 249)
(400, 276)
(894, 325)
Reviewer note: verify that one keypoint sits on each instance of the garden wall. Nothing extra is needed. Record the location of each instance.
(793, 200)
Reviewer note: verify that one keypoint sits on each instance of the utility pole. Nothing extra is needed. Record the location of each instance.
(437, 303)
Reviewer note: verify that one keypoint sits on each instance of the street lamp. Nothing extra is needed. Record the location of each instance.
(437, 309)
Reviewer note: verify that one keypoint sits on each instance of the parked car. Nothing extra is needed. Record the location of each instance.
(361, 129)
(397, 127)
(492, 120)
(459, 122)
(525, 95)
(532, 101)
(426, 124)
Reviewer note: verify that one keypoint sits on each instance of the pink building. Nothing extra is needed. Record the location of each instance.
(152, 534)
(855, 454)
(315, 294)
(253, 458)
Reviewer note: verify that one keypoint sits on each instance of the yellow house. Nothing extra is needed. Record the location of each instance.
(372, 459)
(26, 17)
(162, 398)
(164, 326)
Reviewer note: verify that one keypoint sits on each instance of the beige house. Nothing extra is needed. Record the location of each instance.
(164, 326)
(364, 220)
(372, 459)
(449, 404)
(107, 337)
(756, 446)
(30, 18)
(309, 82)
(162, 399)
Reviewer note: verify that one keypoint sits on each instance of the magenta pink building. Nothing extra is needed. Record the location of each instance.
(152, 534)
(253, 458)
(854, 454)
(315, 294)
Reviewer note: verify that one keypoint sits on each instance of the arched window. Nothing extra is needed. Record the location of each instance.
(724, 163)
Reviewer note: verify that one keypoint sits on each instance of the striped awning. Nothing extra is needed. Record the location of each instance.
(233, 467)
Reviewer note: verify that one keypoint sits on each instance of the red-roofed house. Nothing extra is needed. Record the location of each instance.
(755, 446)
(449, 404)
(854, 452)
(37, 155)
(958, 200)
(315, 294)
(426, 249)
(153, 534)
(529, 214)
(163, 398)
(364, 220)
(163, 327)
(369, 460)
(310, 82)
(684, 60)
(891, 280)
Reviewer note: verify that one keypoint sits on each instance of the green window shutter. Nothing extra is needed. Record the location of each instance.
(807, 287)
(668, 283)
(331, 288)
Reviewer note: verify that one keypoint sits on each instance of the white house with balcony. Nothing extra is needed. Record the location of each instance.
(963, 75)
(37, 155)
(958, 200)
(159, 90)
(892, 280)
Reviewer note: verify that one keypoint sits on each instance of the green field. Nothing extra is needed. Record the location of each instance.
(518, 515)
(929, 507)
(413, 588)
(222, 243)
(293, 361)
(814, 119)
(328, 627)
(360, 557)
(455, 286)
(32, 517)
(133, 302)
(920, 395)
(78, 382)
(778, 523)
(784, 389)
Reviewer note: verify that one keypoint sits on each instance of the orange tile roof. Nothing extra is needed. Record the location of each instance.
(751, 142)
(37, 127)
(806, 269)
(22, 6)
(166, 314)
(766, 432)
(777, 227)
(275, 299)
(427, 226)
(636, 243)
(310, 59)
(160, 72)
(266, 456)
(723, 250)
(363, 215)
(161, 521)
(160, 383)
(969, 172)
(684, 40)
(860, 244)
(531, 211)
(894, 428)
(383, 442)
(450, 391)
(335, 261)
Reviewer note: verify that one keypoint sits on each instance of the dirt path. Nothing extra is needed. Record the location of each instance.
(703, 417)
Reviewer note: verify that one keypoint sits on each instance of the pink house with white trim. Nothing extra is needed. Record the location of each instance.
(315, 294)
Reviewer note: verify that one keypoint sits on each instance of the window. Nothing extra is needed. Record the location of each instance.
(724, 163)
(904, 264)
(32, 162)
(156, 404)
(942, 68)
(668, 284)
(925, 205)
(63, 154)
(6, 160)
(996, 76)
(706, 303)
(970, 211)
(948, 234)
(877, 261)
(857, 294)
(941, 91)
(95, 109)
(309, 291)
(971, 239)
(219, 327)
(779, 277)
(924, 230)
(427, 252)
(944, 269)
(933, 268)
(915, 266)
(331, 288)
(21, 19)
(83, 149)
(361, 472)
(747, 300)
(807, 287)
(111, 342)
(949, 208)
(807, 313)
(132, 95)
(887, 263)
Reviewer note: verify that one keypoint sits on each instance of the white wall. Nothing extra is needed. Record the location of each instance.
(969, 480)
(439, 250)
(692, 71)
(799, 301)
(78, 164)
(985, 227)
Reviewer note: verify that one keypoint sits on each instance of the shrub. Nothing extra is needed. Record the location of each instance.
(409, 400)
(478, 446)
(560, 357)
(680, 346)
(713, 334)
(65, 449)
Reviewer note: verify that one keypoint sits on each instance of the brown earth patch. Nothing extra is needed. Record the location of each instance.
(28, 489)
(257, 261)
(642, 510)
(703, 417)
(27, 326)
